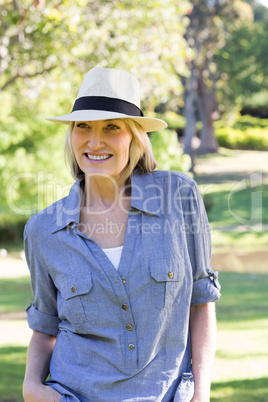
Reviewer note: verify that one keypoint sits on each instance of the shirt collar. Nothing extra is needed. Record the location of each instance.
(144, 197)
(144, 194)
(68, 211)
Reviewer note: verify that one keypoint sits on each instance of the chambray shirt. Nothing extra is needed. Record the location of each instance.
(123, 335)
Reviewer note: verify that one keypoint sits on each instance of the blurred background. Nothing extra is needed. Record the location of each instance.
(202, 67)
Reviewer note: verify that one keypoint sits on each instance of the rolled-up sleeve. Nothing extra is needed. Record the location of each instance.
(42, 314)
(42, 322)
(206, 287)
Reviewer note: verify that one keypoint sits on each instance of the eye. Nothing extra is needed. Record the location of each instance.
(112, 127)
(82, 125)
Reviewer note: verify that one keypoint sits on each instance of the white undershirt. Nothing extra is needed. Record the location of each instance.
(114, 255)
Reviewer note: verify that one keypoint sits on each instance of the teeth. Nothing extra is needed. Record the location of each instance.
(98, 157)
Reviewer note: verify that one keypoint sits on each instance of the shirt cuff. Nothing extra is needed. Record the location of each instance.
(206, 290)
(41, 322)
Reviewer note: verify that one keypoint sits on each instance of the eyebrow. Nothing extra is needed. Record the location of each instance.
(111, 119)
(90, 121)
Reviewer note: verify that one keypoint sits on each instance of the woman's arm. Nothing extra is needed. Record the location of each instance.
(37, 369)
(203, 343)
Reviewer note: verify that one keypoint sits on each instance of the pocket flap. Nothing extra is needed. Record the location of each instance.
(166, 270)
(75, 285)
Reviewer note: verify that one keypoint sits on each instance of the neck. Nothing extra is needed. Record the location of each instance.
(101, 192)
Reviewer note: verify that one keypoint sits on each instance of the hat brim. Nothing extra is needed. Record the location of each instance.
(147, 123)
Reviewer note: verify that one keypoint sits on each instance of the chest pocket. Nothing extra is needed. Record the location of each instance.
(77, 303)
(166, 281)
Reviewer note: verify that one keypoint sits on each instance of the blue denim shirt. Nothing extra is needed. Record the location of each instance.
(123, 335)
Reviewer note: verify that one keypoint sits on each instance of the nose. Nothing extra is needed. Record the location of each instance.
(95, 140)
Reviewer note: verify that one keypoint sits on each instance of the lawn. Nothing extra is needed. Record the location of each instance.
(15, 295)
(241, 366)
(12, 364)
(234, 185)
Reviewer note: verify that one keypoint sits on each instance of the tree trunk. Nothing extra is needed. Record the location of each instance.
(207, 107)
(190, 98)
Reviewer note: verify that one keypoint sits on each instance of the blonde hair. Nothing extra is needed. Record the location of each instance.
(141, 157)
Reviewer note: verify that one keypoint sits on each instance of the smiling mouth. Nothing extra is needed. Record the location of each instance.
(98, 157)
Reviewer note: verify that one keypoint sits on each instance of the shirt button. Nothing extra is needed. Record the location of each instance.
(129, 327)
(73, 289)
(131, 346)
(123, 280)
(170, 275)
(124, 306)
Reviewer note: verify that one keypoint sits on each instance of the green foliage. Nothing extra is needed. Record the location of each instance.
(174, 121)
(11, 229)
(247, 121)
(168, 152)
(252, 138)
(257, 104)
(246, 132)
(242, 65)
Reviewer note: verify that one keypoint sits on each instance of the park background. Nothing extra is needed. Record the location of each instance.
(202, 67)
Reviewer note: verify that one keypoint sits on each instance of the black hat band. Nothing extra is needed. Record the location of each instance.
(106, 104)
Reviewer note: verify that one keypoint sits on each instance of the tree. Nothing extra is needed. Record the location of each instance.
(206, 33)
(243, 66)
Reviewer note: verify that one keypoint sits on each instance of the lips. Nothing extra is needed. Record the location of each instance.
(92, 157)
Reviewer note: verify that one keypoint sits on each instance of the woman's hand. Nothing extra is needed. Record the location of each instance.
(40, 393)
(37, 369)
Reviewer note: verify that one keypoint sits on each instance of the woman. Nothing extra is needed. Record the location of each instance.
(120, 269)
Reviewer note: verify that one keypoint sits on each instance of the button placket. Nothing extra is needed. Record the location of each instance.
(127, 319)
(130, 335)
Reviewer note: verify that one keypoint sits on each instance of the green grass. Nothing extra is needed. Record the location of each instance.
(232, 204)
(255, 390)
(240, 371)
(249, 240)
(12, 365)
(244, 298)
(15, 295)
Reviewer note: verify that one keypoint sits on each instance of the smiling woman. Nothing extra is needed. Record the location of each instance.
(102, 147)
(141, 157)
(120, 297)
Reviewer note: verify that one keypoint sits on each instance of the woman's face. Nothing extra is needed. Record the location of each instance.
(102, 147)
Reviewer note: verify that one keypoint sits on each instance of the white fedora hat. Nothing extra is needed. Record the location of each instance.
(108, 93)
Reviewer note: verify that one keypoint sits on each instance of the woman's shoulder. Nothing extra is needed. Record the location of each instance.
(178, 178)
(44, 221)
(57, 215)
